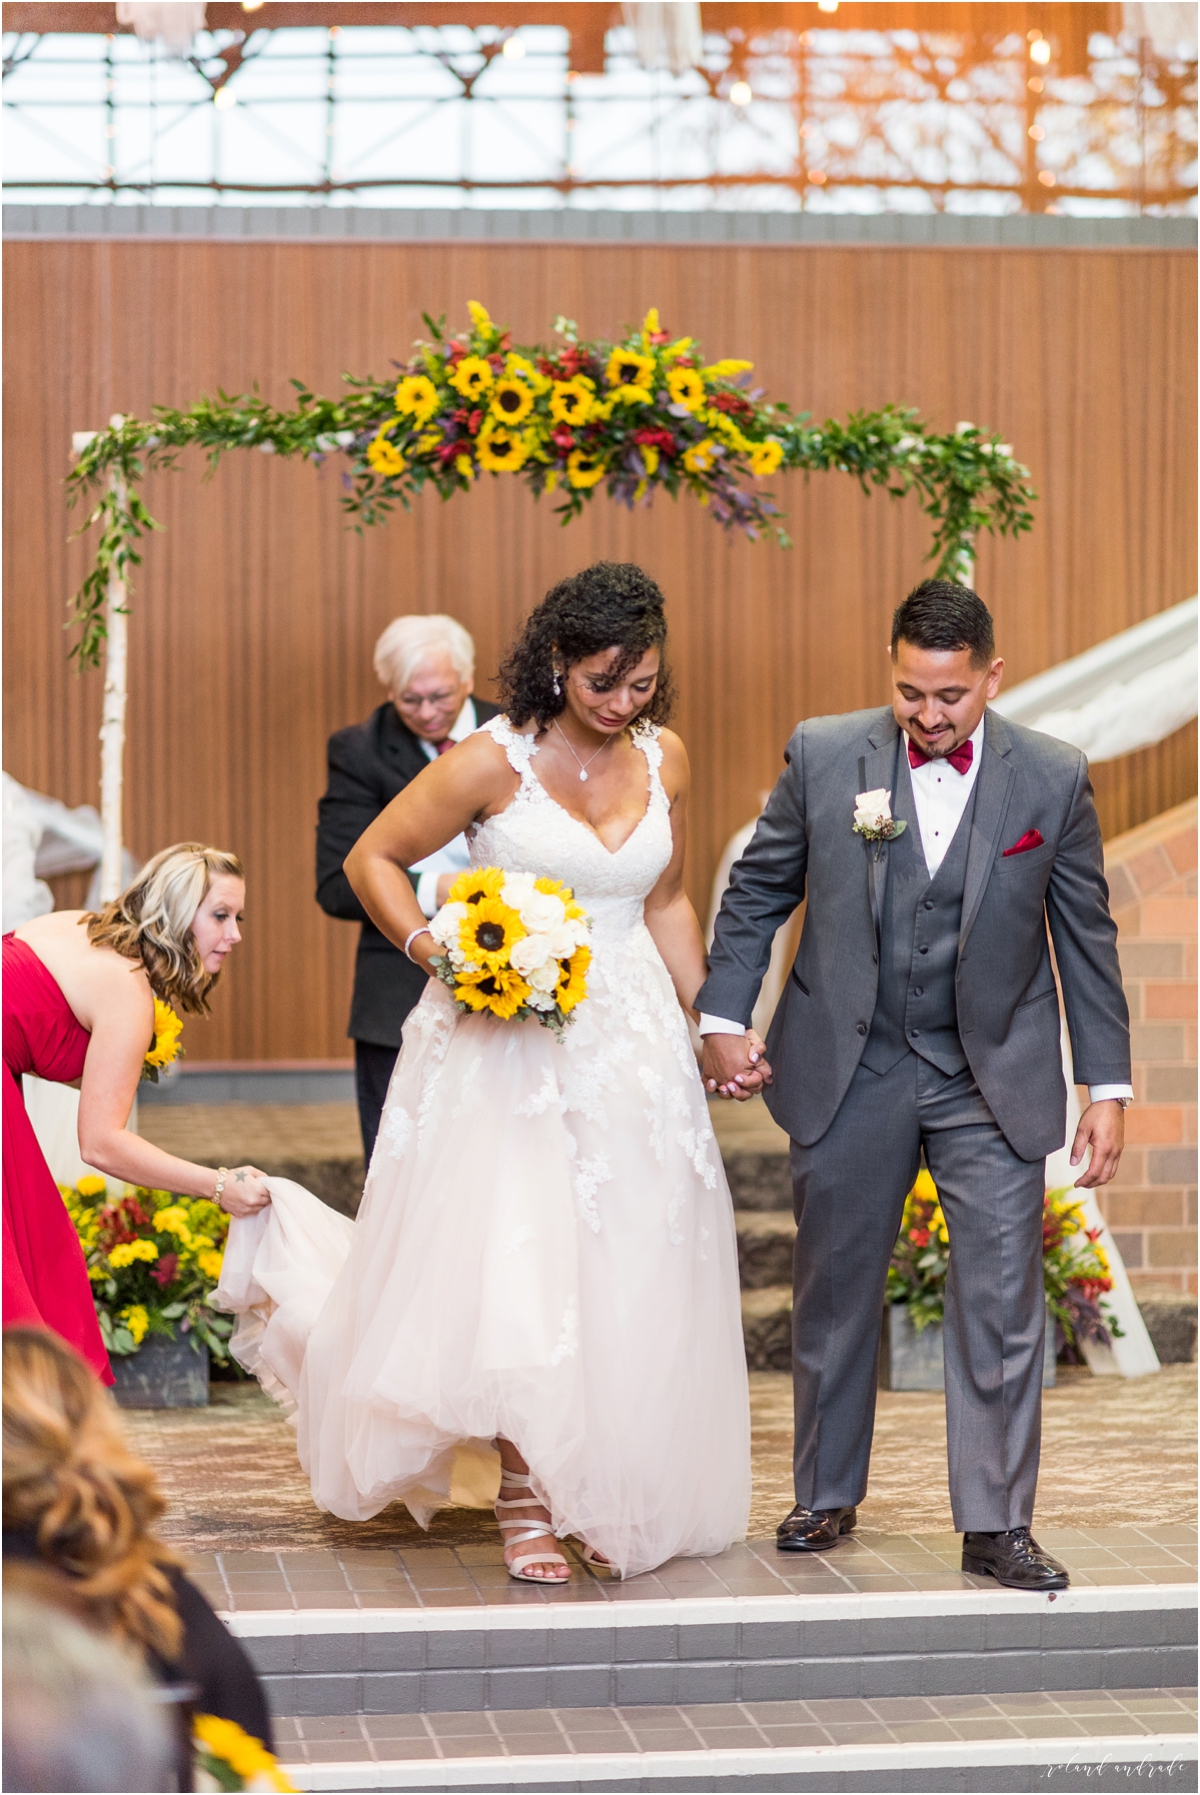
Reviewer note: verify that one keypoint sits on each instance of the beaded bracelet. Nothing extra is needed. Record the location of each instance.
(222, 1174)
(423, 930)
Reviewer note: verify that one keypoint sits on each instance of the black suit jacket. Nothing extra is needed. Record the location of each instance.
(369, 763)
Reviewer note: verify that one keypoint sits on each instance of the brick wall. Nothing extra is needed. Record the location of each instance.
(1151, 1205)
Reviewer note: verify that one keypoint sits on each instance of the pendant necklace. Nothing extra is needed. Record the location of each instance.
(583, 765)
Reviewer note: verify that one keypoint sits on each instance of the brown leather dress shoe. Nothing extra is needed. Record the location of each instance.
(1014, 1559)
(814, 1529)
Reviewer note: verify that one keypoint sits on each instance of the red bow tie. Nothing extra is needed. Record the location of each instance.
(959, 758)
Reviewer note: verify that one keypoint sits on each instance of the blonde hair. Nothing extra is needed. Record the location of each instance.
(152, 920)
(407, 641)
(72, 1484)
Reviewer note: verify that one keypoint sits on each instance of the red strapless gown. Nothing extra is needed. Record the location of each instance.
(45, 1277)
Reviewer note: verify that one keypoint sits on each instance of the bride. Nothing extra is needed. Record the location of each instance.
(544, 1263)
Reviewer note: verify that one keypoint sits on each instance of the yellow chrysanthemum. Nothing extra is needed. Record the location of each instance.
(416, 397)
(480, 320)
(686, 388)
(765, 458)
(727, 430)
(430, 441)
(136, 1320)
(627, 368)
(502, 451)
(473, 377)
(701, 458)
(173, 1220)
(489, 933)
(210, 1265)
(130, 1251)
(572, 985)
(476, 883)
(465, 466)
(91, 1185)
(501, 991)
(925, 1190)
(167, 1030)
(571, 401)
(725, 370)
(584, 469)
(384, 456)
(512, 401)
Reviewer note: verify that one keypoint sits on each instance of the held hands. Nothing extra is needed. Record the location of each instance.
(1102, 1128)
(734, 1065)
(245, 1192)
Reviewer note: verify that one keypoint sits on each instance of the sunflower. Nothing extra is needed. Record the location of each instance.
(572, 985)
(584, 468)
(765, 458)
(501, 991)
(167, 1030)
(571, 401)
(472, 377)
(384, 456)
(686, 388)
(512, 401)
(627, 368)
(489, 933)
(502, 451)
(701, 457)
(416, 397)
(725, 370)
(476, 883)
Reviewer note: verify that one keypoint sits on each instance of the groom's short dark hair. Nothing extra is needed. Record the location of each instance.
(942, 616)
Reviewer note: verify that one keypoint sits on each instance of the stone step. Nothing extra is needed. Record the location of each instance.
(767, 1327)
(766, 1240)
(563, 1652)
(1079, 1739)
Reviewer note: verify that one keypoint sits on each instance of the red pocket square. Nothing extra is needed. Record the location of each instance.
(1032, 838)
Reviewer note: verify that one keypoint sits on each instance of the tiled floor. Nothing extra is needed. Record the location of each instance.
(433, 1576)
(1078, 1714)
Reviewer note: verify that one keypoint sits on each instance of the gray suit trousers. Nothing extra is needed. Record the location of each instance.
(849, 1190)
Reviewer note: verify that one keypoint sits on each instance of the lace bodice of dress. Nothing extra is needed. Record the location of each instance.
(535, 834)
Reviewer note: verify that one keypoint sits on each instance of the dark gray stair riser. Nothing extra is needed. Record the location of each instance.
(1101, 1777)
(442, 1671)
(759, 1180)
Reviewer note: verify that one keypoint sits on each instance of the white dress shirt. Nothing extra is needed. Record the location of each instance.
(940, 794)
(455, 857)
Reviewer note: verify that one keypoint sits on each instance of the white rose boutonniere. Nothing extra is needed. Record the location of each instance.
(873, 818)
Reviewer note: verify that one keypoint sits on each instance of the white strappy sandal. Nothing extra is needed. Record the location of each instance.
(590, 1556)
(522, 1530)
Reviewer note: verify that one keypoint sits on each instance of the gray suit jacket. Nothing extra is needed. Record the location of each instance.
(1007, 1003)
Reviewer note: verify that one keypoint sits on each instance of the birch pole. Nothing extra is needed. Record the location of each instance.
(112, 720)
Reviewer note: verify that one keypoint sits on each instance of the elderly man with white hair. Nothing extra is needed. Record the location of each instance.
(427, 667)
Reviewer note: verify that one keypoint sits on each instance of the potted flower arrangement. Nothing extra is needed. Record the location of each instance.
(154, 1260)
(1074, 1268)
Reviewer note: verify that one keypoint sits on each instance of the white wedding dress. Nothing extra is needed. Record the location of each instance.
(545, 1248)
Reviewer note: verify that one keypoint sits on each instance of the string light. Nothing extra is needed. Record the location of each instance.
(224, 98)
(1039, 50)
(741, 93)
(251, 5)
(513, 48)
(827, 5)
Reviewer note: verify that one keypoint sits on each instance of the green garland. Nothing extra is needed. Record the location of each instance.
(636, 416)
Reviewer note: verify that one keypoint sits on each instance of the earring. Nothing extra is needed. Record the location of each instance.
(558, 685)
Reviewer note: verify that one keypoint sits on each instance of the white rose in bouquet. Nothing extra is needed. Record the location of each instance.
(566, 937)
(530, 953)
(545, 977)
(446, 924)
(542, 911)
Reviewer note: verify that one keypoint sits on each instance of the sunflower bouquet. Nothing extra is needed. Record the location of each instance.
(227, 1757)
(164, 1048)
(513, 946)
(153, 1260)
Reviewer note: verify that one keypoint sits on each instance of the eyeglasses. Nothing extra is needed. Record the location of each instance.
(436, 700)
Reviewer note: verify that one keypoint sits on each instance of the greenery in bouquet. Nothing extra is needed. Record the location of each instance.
(632, 417)
(227, 1757)
(1075, 1268)
(513, 946)
(154, 1260)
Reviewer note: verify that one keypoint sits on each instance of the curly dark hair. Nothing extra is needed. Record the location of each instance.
(612, 604)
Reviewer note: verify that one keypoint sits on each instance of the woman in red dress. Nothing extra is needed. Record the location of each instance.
(79, 994)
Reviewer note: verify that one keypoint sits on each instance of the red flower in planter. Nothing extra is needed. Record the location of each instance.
(165, 1271)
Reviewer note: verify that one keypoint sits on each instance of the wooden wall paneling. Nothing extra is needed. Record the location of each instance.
(256, 610)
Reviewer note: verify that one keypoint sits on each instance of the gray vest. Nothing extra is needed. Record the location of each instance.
(919, 927)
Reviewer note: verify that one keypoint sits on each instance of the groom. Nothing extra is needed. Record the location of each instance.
(934, 841)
